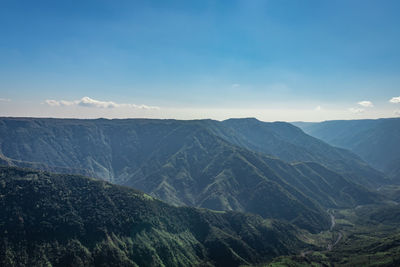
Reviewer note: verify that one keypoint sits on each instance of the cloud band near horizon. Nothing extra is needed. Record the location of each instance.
(92, 103)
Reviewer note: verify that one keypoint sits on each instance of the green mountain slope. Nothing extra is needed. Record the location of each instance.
(183, 163)
(376, 141)
(238, 179)
(68, 220)
(289, 143)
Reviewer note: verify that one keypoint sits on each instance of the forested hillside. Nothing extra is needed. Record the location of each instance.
(68, 220)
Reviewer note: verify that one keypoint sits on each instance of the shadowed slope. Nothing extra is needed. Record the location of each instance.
(289, 143)
(376, 141)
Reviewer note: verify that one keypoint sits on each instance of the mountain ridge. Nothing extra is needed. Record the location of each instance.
(184, 163)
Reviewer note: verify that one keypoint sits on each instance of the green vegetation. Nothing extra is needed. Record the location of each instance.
(205, 163)
(296, 184)
(371, 237)
(69, 220)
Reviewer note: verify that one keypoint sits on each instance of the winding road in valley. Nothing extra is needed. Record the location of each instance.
(340, 236)
(333, 221)
(333, 244)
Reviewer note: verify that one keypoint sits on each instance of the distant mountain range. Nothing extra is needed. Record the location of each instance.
(375, 141)
(271, 169)
(69, 220)
(291, 144)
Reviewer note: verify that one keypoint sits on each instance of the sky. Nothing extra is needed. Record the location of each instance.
(290, 60)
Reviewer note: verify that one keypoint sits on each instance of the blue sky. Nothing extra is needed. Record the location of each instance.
(274, 60)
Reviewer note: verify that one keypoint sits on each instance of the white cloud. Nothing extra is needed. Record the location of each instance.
(92, 103)
(89, 102)
(66, 103)
(366, 104)
(397, 112)
(356, 110)
(395, 100)
(52, 103)
(318, 108)
(5, 100)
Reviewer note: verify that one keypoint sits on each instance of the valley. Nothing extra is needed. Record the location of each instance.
(360, 238)
(240, 192)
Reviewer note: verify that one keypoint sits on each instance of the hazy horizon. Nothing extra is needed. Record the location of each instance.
(186, 119)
